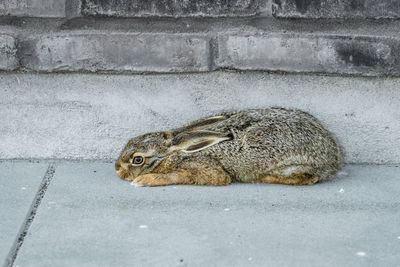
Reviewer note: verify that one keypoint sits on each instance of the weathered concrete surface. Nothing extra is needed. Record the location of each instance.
(336, 8)
(117, 52)
(8, 51)
(19, 183)
(92, 116)
(33, 8)
(168, 8)
(90, 217)
(309, 53)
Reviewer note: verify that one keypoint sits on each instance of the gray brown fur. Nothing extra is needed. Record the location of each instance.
(268, 145)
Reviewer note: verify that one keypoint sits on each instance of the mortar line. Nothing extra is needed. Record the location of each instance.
(47, 178)
(72, 8)
(213, 52)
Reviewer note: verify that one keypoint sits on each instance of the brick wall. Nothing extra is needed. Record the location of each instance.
(329, 36)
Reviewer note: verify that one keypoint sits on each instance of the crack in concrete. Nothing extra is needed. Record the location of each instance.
(48, 176)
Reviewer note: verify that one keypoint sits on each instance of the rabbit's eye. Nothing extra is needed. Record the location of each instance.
(137, 160)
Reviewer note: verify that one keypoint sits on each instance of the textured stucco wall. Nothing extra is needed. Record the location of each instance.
(92, 116)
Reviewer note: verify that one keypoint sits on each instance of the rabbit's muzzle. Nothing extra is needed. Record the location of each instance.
(122, 172)
(117, 166)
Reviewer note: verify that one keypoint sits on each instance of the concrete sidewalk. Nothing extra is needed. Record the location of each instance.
(81, 214)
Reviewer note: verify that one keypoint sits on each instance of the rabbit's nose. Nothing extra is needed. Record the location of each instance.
(117, 166)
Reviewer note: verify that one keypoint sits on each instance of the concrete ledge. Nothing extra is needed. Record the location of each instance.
(310, 53)
(336, 9)
(117, 52)
(8, 53)
(92, 116)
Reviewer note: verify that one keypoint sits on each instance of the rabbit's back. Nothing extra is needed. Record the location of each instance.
(275, 141)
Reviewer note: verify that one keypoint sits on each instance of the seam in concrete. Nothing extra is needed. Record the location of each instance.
(213, 46)
(23, 70)
(48, 176)
(225, 69)
(72, 8)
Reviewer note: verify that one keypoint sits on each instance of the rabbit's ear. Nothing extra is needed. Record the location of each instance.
(194, 141)
(199, 124)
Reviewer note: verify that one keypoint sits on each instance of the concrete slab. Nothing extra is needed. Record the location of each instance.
(90, 217)
(19, 183)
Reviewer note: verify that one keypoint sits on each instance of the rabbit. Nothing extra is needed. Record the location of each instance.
(271, 145)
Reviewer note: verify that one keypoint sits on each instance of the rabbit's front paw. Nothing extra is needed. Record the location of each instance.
(151, 180)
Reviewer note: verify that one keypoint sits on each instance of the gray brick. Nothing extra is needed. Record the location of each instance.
(336, 8)
(8, 51)
(137, 8)
(117, 52)
(33, 8)
(310, 53)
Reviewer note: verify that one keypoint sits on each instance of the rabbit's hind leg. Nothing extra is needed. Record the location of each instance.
(298, 178)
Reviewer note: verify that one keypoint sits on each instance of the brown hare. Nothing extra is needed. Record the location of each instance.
(271, 145)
